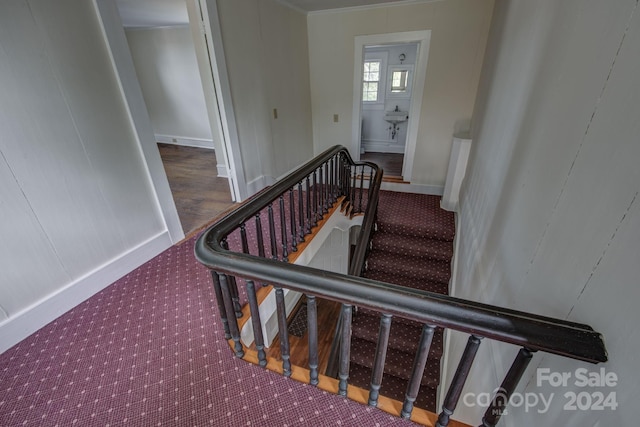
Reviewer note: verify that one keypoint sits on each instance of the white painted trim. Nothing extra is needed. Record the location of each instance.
(133, 100)
(185, 141)
(259, 183)
(382, 146)
(423, 39)
(368, 6)
(34, 317)
(233, 155)
(434, 190)
(221, 169)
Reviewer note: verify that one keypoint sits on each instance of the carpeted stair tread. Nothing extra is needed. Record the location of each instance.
(409, 282)
(398, 363)
(392, 387)
(394, 263)
(414, 215)
(404, 336)
(412, 246)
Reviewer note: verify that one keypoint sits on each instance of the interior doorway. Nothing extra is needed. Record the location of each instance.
(387, 83)
(166, 65)
(389, 78)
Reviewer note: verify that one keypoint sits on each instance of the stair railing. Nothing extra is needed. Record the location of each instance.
(329, 176)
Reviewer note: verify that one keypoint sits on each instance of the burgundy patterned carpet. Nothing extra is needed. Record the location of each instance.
(149, 350)
(412, 247)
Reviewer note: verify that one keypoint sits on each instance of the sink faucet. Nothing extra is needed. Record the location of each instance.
(397, 109)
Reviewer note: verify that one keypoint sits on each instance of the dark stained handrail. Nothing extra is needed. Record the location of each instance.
(534, 332)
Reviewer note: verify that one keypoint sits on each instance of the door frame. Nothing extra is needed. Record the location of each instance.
(116, 42)
(423, 39)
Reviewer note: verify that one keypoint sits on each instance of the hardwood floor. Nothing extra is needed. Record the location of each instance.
(199, 194)
(328, 314)
(390, 162)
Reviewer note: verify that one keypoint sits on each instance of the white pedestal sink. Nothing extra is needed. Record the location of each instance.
(396, 117)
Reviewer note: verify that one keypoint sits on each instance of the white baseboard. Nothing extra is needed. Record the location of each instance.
(259, 183)
(186, 141)
(21, 325)
(222, 170)
(382, 146)
(435, 190)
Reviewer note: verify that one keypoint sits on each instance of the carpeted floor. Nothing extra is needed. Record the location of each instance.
(149, 350)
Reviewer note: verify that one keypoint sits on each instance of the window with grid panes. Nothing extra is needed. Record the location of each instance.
(371, 81)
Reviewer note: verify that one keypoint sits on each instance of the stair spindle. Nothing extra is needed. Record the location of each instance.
(361, 189)
(315, 198)
(220, 301)
(283, 332)
(301, 233)
(332, 181)
(292, 221)
(283, 230)
(259, 236)
(235, 298)
(381, 355)
(325, 189)
(255, 323)
(233, 322)
(272, 233)
(307, 227)
(345, 349)
(459, 378)
(511, 380)
(312, 327)
(243, 238)
(419, 362)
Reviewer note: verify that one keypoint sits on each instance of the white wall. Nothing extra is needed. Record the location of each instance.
(77, 206)
(459, 30)
(166, 65)
(265, 46)
(550, 213)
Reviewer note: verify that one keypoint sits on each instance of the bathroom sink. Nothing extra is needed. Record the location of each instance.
(396, 116)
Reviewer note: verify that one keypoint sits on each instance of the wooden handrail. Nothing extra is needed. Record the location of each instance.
(529, 331)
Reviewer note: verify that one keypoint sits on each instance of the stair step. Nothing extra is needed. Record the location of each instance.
(404, 336)
(398, 363)
(423, 269)
(415, 247)
(393, 387)
(414, 215)
(409, 282)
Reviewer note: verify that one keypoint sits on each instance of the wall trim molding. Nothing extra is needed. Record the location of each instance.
(259, 183)
(367, 6)
(380, 146)
(29, 320)
(434, 190)
(185, 141)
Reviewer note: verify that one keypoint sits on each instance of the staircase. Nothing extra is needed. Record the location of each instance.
(412, 247)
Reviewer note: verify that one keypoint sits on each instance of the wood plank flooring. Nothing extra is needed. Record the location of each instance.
(328, 314)
(390, 162)
(199, 194)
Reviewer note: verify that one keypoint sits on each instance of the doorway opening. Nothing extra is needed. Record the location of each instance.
(169, 70)
(389, 80)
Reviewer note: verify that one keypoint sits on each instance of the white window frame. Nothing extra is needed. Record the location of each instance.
(382, 83)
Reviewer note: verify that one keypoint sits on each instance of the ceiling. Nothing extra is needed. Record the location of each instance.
(165, 13)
